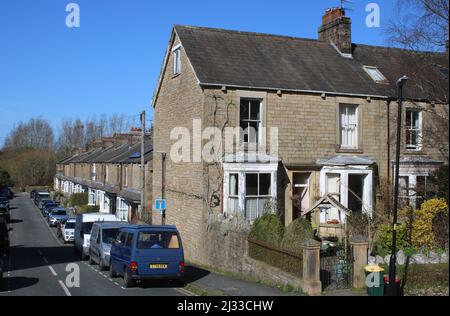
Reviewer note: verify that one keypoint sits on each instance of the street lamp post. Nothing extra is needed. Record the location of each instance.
(393, 260)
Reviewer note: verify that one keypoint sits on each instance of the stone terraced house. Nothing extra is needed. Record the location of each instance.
(111, 175)
(333, 104)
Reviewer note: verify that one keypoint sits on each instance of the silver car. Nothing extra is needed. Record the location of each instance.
(103, 234)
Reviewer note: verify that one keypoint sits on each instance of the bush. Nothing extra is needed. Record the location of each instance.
(422, 229)
(78, 199)
(384, 240)
(89, 208)
(268, 228)
(296, 233)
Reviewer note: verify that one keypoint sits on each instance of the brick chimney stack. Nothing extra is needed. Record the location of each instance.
(336, 27)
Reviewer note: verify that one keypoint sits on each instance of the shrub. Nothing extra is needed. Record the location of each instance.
(268, 228)
(89, 208)
(358, 224)
(296, 233)
(422, 229)
(78, 199)
(384, 238)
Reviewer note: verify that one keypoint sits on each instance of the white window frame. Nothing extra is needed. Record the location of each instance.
(249, 121)
(94, 172)
(375, 74)
(242, 169)
(347, 126)
(126, 176)
(412, 129)
(176, 52)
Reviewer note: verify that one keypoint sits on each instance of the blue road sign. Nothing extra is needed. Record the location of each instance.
(160, 205)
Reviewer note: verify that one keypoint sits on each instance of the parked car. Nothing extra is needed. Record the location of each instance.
(6, 192)
(57, 215)
(68, 230)
(144, 252)
(4, 237)
(4, 201)
(42, 203)
(102, 237)
(48, 207)
(41, 196)
(83, 228)
(4, 212)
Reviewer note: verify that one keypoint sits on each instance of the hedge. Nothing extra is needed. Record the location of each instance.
(78, 199)
(89, 208)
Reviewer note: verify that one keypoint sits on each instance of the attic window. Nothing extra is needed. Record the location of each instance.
(374, 73)
(176, 51)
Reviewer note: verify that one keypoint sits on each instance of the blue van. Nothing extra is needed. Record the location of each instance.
(143, 252)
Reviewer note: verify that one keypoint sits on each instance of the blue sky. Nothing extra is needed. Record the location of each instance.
(112, 62)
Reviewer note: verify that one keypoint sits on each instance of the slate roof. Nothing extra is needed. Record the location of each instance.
(272, 62)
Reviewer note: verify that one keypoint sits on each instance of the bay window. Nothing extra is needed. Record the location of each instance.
(257, 194)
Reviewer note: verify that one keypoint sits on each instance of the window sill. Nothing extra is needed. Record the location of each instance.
(349, 150)
(176, 75)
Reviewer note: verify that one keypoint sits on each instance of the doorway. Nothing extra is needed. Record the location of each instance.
(300, 198)
(355, 192)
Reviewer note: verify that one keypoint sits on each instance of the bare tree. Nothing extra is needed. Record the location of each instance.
(421, 25)
(35, 134)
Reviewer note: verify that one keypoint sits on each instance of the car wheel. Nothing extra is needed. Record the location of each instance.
(112, 273)
(101, 266)
(127, 281)
(91, 260)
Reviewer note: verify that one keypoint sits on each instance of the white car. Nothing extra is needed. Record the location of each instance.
(68, 231)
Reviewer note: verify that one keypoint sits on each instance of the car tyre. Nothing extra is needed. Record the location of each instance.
(91, 260)
(112, 273)
(101, 266)
(127, 281)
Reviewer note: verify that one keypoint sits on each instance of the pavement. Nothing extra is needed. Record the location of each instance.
(40, 264)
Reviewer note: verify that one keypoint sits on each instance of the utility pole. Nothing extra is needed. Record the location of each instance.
(142, 165)
(163, 171)
(393, 260)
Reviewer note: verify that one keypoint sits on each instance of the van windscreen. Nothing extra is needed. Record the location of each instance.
(158, 240)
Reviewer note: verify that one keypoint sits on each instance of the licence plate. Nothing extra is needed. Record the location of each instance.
(158, 266)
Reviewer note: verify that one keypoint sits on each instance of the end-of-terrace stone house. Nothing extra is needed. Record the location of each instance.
(333, 103)
(111, 176)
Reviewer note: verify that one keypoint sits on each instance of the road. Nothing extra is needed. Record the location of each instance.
(38, 260)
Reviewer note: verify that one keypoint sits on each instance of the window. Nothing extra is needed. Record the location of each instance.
(348, 115)
(333, 186)
(156, 240)
(177, 61)
(374, 73)
(404, 193)
(250, 120)
(233, 193)
(257, 194)
(129, 240)
(126, 176)
(94, 173)
(413, 129)
(106, 173)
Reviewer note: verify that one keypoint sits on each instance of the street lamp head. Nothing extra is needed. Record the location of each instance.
(401, 81)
